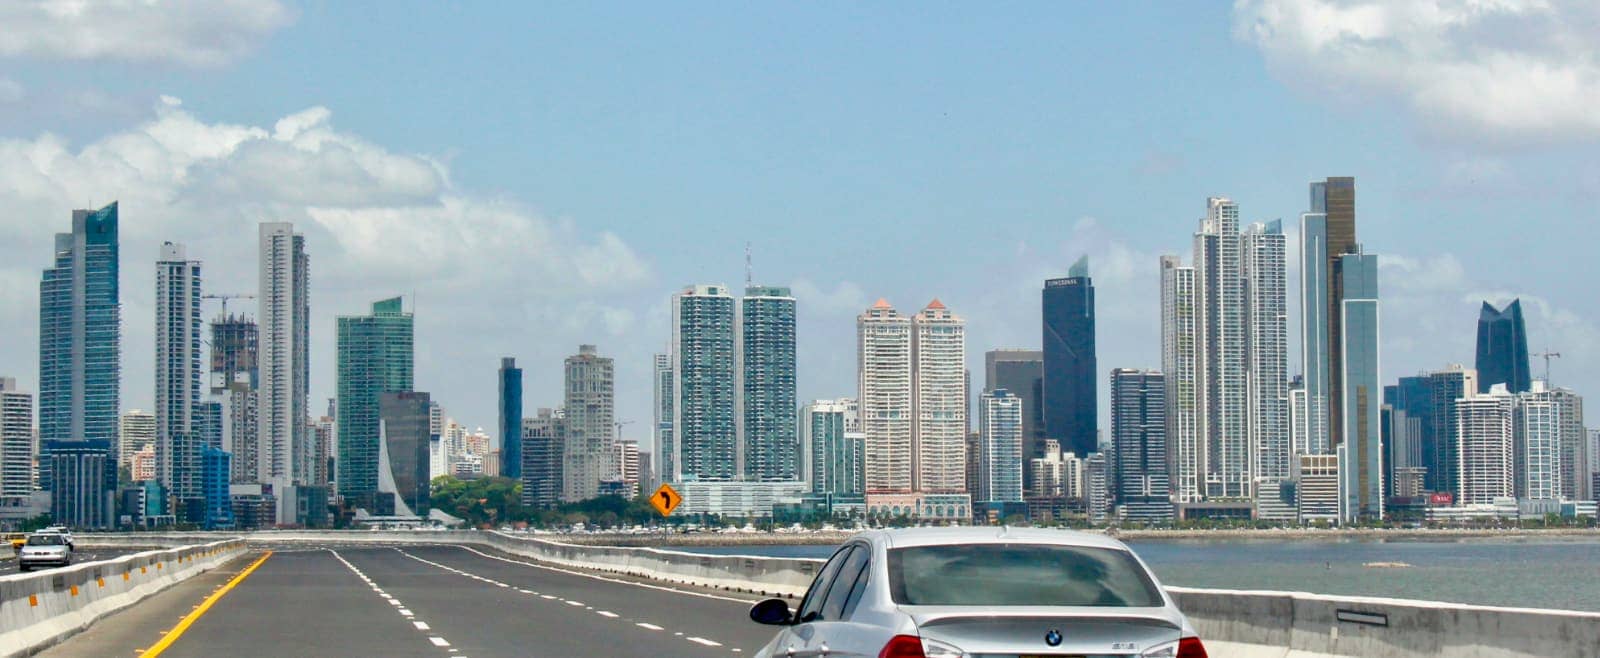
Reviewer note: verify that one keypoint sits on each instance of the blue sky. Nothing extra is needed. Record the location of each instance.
(543, 175)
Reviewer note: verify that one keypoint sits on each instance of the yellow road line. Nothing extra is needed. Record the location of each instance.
(183, 625)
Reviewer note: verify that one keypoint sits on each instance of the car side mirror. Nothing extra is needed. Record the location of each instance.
(772, 612)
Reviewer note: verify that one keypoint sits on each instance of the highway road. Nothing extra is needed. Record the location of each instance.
(436, 601)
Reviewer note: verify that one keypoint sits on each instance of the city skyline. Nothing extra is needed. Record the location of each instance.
(605, 262)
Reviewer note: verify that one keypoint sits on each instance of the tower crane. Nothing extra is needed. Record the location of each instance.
(224, 297)
(1547, 356)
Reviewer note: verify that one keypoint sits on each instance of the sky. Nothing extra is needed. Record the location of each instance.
(537, 176)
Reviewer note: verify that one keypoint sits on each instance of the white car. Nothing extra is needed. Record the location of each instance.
(992, 592)
(45, 548)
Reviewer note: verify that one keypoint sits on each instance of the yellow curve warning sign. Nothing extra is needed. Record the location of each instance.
(666, 499)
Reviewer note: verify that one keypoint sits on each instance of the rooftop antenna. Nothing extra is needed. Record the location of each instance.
(749, 269)
(1547, 356)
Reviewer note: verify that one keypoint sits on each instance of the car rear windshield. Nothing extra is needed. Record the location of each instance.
(46, 540)
(1019, 574)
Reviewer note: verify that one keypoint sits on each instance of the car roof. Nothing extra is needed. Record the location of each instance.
(938, 536)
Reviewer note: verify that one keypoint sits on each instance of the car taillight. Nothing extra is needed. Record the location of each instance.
(903, 646)
(1190, 647)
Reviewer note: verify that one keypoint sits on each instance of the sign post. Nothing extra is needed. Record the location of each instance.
(666, 499)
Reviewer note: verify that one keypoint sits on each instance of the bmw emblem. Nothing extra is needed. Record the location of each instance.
(1053, 638)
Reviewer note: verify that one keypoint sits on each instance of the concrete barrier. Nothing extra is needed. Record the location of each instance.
(1260, 624)
(42, 608)
(1233, 623)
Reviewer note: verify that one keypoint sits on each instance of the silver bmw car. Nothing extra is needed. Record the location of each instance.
(981, 593)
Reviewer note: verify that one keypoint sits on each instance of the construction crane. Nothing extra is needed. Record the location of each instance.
(225, 297)
(1547, 356)
(619, 425)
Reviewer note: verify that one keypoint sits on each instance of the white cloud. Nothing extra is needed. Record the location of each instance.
(1503, 72)
(491, 276)
(187, 32)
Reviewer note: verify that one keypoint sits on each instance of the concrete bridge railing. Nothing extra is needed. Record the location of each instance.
(42, 608)
(1234, 623)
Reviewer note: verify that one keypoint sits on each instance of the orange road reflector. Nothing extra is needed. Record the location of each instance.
(74, 589)
(33, 600)
(666, 499)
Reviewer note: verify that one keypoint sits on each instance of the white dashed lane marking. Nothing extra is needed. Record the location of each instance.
(398, 606)
(572, 602)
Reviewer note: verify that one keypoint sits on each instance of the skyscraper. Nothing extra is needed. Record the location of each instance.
(1224, 384)
(1267, 339)
(80, 363)
(1412, 427)
(1447, 387)
(235, 375)
(1335, 198)
(283, 441)
(939, 402)
(1070, 388)
(376, 356)
(178, 376)
(510, 380)
(1502, 348)
(704, 442)
(402, 465)
(883, 339)
(16, 440)
(835, 454)
(767, 374)
(1536, 443)
(1022, 373)
(1485, 458)
(543, 437)
(1139, 439)
(590, 403)
(1000, 454)
(1360, 445)
(83, 483)
(1180, 356)
(662, 390)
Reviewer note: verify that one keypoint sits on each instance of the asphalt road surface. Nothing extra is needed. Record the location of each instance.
(436, 601)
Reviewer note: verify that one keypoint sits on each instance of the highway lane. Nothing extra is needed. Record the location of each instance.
(436, 601)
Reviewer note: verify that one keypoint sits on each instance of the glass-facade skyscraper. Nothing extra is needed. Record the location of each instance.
(1503, 348)
(403, 467)
(704, 427)
(80, 369)
(1071, 397)
(1361, 449)
(510, 380)
(834, 452)
(80, 332)
(375, 355)
(1139, 441)
(767, 383)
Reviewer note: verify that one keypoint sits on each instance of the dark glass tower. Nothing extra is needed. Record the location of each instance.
(1503, 348)
(510, 418)
(1070, 395)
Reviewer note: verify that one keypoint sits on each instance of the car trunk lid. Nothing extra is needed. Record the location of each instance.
(1049, 631)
